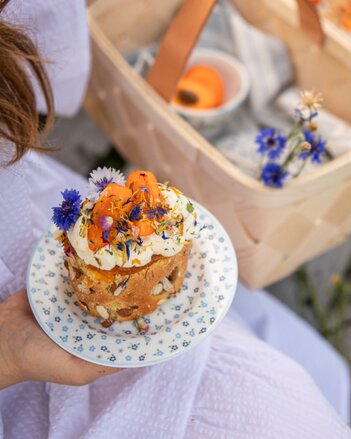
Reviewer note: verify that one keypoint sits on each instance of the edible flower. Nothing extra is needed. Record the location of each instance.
(270, 141)
(135, 213)
(100, 178)
(273, 175)
(301, 142)
(161, 212)
(316, 149)
(106, 222)
(310, 103)
(66, 214)
(164, 236)
(127, 246)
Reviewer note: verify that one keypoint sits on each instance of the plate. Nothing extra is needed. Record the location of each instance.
(174, 328)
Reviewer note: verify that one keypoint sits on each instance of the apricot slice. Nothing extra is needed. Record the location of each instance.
(144, 179)
(209, 77)
(113, 202)
(145, 227)
(345, 21)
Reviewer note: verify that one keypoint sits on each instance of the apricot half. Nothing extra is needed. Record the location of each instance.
(146, 227)
(200, 88)
(139, 180)
(113, 203)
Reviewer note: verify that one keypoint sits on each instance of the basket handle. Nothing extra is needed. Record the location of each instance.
(182, 35)
(176, 46)
(310, 22)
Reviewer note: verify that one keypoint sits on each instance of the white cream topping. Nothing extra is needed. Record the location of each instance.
(108, 257)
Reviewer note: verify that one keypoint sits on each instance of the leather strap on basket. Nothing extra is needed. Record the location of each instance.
(309, 21)
(177, 45)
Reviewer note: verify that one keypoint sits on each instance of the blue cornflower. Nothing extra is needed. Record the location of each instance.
(105, 236)
(127, 245)
(151, 213)
(273, 175)
(67, 213)
(135, 214)
(161, 212)
(164, 236)
(304, 115)
(271, 142)
(121, 229)
(317, 147)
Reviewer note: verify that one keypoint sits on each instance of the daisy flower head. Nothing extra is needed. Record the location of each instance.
(270, 142)
(66, 214)
(310, 103)
(311, 99)
(100, 178)
(273, 175)
(316, 149)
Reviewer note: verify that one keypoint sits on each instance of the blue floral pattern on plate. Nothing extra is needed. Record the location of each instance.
(174, 328)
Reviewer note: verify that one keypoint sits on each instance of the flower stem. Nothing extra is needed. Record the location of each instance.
(294, 149)
(305, 282)
(260, 167)
(302, 167)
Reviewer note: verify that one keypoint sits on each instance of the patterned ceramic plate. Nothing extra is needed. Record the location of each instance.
(175, 327)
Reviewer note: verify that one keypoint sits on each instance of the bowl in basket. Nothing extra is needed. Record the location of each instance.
(236, 88)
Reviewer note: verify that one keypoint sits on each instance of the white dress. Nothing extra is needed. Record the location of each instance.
(233, 385)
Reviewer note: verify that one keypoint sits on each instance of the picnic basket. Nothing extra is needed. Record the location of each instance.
(273, 231)
(319, 50)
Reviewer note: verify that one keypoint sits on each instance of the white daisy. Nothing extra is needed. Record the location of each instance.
(100, 178)
(310, 103)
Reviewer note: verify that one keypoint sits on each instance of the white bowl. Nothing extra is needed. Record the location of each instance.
(236, 87)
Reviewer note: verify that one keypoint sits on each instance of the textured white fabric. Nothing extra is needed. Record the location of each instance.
(231, 386)
(60, 30)
(13, 256)
(265, 58)
(273, 322)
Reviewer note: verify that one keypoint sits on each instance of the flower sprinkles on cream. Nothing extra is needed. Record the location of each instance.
(125, 223)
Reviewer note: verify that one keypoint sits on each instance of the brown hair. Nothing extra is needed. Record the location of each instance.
(19, 120)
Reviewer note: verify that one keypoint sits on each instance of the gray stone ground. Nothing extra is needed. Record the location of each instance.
(79, 141)
(82, 146)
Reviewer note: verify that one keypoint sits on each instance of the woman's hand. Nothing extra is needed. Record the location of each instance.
(27, 353)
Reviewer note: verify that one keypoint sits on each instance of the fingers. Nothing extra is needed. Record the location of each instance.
(53, 364)
(49, 362)
(40, 358)
(19, 301)
(77, 372)
(59, 366)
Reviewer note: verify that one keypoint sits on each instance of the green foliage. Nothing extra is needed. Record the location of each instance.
(332, 316)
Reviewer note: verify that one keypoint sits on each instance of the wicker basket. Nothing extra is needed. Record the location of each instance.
(274, 231)
(325, 65)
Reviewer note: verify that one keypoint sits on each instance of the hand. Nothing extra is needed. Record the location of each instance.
(27, 353)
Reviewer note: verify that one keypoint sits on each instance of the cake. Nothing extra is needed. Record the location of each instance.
(126, 245)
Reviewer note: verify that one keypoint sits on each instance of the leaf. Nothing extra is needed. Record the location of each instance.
(190, 207)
